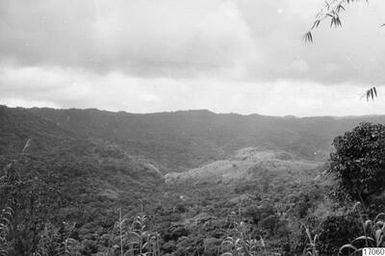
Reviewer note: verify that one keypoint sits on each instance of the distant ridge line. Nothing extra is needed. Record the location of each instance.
(200, 111)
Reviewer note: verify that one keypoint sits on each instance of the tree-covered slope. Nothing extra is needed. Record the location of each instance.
(82, 169)
(81, 166)
(182, 140)
(49, 175)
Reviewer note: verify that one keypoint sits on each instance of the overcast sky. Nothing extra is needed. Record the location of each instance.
(243, 56)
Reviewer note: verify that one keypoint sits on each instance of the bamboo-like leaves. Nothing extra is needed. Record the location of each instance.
(335, 21)
(380, 215)
(310, 249)
(347, 246)
(374, 233)
(371, 93)
(5, 223)
(308, 37)
(240, 243)
(363, 238)
(137, 237)
(331, 10)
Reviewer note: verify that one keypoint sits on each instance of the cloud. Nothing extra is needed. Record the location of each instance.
(151, 55)
(246, 40)
(142, 37)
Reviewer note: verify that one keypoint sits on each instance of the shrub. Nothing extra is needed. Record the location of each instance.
(174, 233)
(358, 161)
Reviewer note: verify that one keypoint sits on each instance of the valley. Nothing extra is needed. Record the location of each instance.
(196, 173)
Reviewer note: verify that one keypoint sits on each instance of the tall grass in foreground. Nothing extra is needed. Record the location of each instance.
(8, 212)
(241, 243)
(5, 220)
(311, 248)
(53, 243)
(136, 237)
(373, 234)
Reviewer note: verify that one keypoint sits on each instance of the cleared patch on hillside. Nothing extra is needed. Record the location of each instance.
(248, 164)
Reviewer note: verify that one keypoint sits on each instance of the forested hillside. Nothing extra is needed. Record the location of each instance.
(74, 179)
(50, 146)
(193, 178)
(181, 140)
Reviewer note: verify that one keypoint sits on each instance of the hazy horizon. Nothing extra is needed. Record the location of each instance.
(192, 110)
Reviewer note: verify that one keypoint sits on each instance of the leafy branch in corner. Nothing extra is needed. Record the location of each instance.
(371, 93)
(330, 12)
